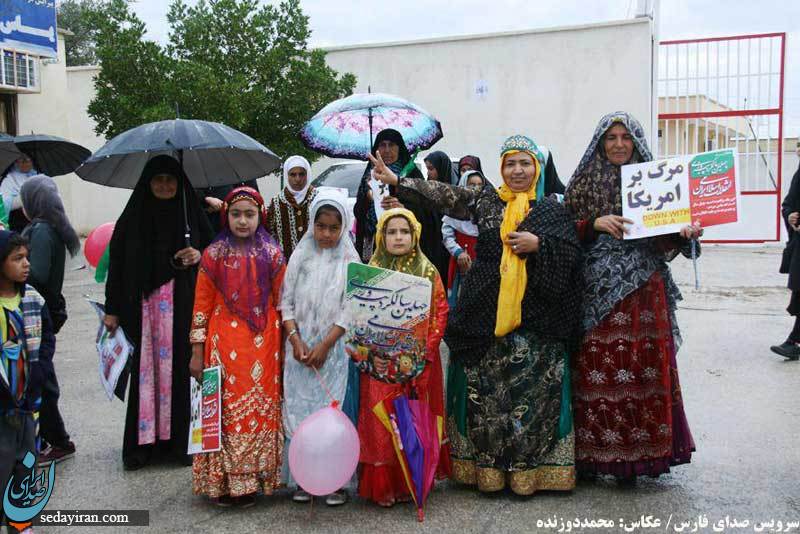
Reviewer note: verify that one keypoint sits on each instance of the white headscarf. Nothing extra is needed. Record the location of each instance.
(9, 188)
(290, 163)
(313, 295)
(464, 227)
(323, 271)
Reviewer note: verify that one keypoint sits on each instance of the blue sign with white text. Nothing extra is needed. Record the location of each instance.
(29, 26)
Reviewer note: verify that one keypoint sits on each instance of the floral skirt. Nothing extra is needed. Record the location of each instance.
(510, 420)
(629, 415)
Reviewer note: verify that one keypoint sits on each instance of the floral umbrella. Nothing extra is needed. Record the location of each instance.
(346, 127)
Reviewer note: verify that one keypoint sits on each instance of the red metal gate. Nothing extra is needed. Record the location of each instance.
(727, 92)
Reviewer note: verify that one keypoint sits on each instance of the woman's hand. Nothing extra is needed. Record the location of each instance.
(213, 204)
(380, 171)
(186, 257)
(691, 231)
(390, 202)
(196, 363)
(613, 225)
(111, 322)
(522, 242)
(794, 218)
(464, 262)
(318, 355)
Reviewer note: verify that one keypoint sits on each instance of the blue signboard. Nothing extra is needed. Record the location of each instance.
(29, 25)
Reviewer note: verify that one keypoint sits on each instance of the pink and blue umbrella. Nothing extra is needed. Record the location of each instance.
(346, 127)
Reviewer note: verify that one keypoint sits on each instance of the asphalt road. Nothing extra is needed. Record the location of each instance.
(740, 401)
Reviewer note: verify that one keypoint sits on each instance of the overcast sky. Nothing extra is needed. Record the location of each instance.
(343, 22)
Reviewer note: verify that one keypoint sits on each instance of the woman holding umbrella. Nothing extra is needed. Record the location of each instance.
(149, 293)
(389, 143)
(514, 325)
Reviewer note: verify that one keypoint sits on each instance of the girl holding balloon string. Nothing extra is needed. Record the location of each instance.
(317, 369)
(397, 247)
(236, 325)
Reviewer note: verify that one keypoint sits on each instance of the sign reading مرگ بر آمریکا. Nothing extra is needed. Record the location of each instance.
(205, 423)
(663, 196)
(29, 26)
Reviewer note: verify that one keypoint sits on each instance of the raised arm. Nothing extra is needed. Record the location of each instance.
(457, 202)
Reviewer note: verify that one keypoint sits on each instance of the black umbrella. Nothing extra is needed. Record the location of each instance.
(52, 155)
(210, 153)
(9, 153)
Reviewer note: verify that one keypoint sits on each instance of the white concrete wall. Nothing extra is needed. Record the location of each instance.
(61, 109)
(553, 85)
(550, 84)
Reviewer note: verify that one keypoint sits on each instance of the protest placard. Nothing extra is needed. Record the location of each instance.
(389, 313)
(113, 351)
(663, 196)
(205, 423)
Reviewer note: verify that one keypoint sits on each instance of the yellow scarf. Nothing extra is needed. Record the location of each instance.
(513, 271)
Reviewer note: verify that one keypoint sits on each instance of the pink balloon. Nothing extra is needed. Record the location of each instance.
(96, 243)
(324, 451)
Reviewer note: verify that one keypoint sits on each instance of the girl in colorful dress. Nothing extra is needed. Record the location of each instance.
(381, 478)
(236, 326)
(460, 238)
(315, 320)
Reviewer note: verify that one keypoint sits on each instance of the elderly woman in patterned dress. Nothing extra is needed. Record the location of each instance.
(629, 416)
(511, 329)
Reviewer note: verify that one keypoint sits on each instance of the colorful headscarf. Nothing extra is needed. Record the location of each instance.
(243, 269)
(595, 189)
(415, 262)
(513, 270)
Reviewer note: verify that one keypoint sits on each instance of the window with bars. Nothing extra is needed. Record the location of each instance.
(19, 70)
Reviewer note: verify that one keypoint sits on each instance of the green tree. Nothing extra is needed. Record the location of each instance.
(232, 61)
(79, 17)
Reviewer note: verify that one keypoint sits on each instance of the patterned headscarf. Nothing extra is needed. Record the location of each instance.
(243, 269)
(595, 188)
(415, 262)
(513, 270)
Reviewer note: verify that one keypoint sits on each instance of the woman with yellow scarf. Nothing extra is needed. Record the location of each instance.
(513, 327)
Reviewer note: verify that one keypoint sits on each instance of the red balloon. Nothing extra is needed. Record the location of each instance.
(96, 243)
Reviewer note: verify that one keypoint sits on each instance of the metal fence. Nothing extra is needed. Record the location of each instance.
(727, 92)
